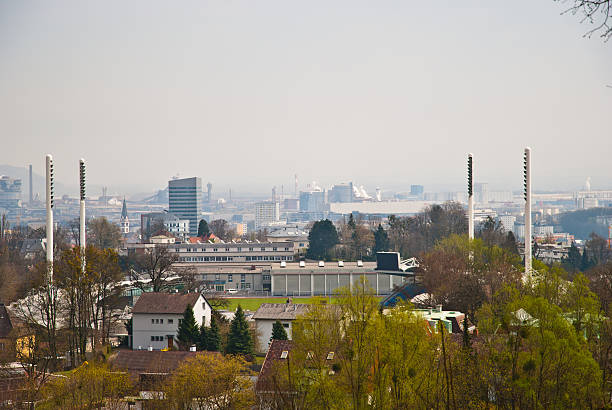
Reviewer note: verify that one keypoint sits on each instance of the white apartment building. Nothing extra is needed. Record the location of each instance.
(507, 222)
(266, 213)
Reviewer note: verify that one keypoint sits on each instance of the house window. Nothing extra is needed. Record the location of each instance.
(243, 277)
(248, 285)
(217, 276)
(161, 321)
(157, 338)
(152, 321)
(216, 250)
(286, 325)
(286, 249)
(274, 249)
(170, 321)
(263, 249)
(230, 277)
(204, 305)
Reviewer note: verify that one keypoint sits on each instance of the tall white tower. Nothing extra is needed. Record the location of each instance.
(49, 206)
(82, 204)
(124, 221)
(527, 195)
(82, 212)
(470, 182)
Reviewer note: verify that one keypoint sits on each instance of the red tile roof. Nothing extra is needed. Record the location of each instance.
(264, 381)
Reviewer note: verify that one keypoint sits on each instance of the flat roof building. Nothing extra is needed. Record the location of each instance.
(185, 200)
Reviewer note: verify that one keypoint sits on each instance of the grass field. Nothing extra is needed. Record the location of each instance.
(254, 303)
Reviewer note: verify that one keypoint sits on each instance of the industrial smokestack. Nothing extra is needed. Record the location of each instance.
(49, 207)
(527, 195)
(470, 183)
(31, 190)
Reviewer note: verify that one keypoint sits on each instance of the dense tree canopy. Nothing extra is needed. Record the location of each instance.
(322, 239)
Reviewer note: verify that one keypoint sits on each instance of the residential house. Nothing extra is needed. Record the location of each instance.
(156, 317)
(268, 313)
(15, 340)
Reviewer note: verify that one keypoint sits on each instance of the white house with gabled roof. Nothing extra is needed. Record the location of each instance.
(157, 315)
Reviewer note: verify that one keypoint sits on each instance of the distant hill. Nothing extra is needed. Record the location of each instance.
(582, 222)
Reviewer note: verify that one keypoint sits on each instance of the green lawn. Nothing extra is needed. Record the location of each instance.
(254, 303)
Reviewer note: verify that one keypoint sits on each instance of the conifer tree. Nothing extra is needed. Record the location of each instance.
(213, 340)
(239, 340)
(188, 330)
(203, 338)
(278, 331)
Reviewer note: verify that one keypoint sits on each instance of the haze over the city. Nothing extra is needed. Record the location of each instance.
(246, 94)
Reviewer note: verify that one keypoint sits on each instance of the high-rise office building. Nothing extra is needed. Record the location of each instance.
(313, 201)
(266, 213)
(10, 192)
(417, 190)
(185, 200)
(341, 193)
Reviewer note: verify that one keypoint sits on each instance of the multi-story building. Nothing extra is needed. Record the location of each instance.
(234, 252)
(185, 200)
(417, 190)
(341, 193)
(507, 222)
(313, 201)
(10, 192)
(481, 192)
(266, 213)
(149, 224)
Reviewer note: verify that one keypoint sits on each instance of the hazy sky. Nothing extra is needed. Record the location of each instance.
(247, 93)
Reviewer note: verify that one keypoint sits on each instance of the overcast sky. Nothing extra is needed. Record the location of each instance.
(248, 93)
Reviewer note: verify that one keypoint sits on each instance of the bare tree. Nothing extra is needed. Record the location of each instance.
(596, 12)
(103, 234)
(155, 264)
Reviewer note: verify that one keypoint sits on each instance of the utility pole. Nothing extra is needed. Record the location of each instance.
(527, 195)
(470, 182)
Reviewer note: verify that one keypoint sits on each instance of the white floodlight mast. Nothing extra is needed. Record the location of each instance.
(49, 206)
(470, 198)
(82, 211)
(527, 195)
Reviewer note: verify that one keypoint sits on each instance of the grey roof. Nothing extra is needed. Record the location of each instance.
(160, 302)
(280, 311)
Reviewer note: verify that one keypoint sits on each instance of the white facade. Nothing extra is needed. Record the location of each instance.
(266, 213)
(264, 332)
(507, 222)
(154, 329)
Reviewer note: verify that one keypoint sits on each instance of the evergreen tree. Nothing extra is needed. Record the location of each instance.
(322, 238)
(351, 222)
(510, 243)
(188, 330)
(573, 261)
(466, 333)
(278, 331)
(381, 240)
(239, 340)
(213, 342)
(203, 229)
(203, 339)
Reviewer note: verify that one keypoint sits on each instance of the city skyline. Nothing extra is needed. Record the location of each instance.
(389, 95)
